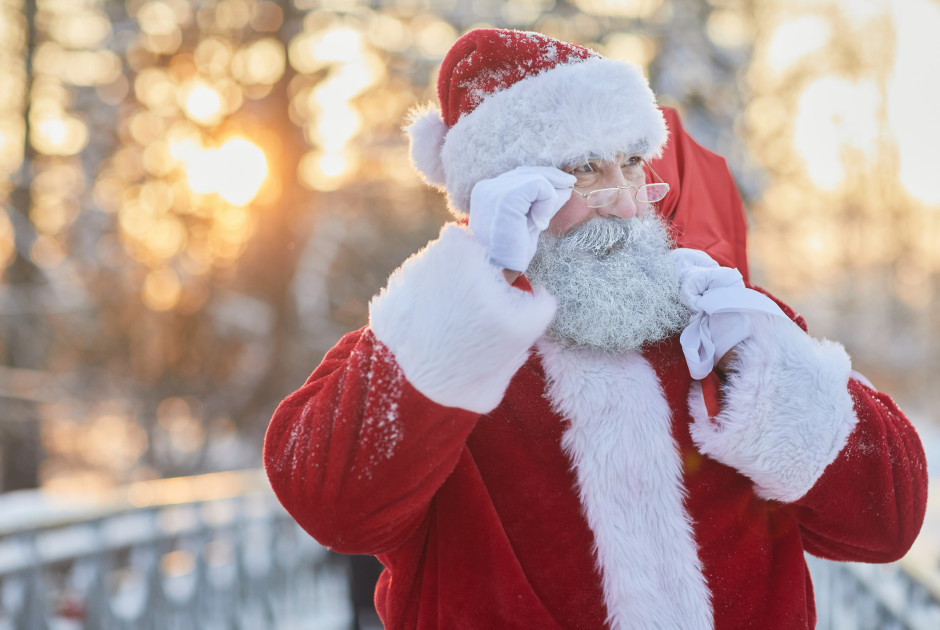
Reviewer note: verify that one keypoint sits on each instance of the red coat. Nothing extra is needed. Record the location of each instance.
(507, 483)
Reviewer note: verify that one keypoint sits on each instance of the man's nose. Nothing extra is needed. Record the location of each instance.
(624, 207)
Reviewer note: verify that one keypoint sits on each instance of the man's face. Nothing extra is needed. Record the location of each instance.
(596, 174)
(614, 282)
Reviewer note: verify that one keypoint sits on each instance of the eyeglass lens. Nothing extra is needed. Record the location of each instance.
(603, 197)
(648, 193)
(652, 192)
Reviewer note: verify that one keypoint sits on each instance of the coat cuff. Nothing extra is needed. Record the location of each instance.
(786, 411)
(458, 330)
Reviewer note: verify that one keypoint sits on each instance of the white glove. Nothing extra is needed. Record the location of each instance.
(720, 305)
(508, 212)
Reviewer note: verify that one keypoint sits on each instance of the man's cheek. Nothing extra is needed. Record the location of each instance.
(571, 215)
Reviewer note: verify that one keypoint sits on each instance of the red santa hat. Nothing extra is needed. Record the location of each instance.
(514, 98)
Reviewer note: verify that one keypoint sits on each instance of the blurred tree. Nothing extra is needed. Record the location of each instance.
(211, 191)
(848, 225)
(24, 323)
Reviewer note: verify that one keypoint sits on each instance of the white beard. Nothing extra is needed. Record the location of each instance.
(616, 286)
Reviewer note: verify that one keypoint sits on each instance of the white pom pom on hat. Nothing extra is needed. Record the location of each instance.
(426, 132)
(514, 98)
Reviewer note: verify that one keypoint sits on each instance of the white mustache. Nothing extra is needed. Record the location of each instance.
(602, 235)
(615, 284)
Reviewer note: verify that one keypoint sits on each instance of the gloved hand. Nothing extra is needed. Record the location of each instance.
(508, 212)
(720, 305)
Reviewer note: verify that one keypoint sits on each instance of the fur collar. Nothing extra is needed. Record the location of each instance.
(629, 477)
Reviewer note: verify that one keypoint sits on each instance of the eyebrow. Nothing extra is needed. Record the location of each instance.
(638, 147)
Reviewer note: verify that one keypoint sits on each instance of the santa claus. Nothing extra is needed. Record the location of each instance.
(557, 418)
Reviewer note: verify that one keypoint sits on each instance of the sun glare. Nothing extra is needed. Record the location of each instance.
(341, 44)
(336, 127)
(243, 167)
(834, 114)
(914, 97)
(309, 52)
(235, 171)
(862, 11)
(795, 39)
(326, 171)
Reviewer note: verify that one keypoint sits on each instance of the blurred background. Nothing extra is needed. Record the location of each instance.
(198, 197)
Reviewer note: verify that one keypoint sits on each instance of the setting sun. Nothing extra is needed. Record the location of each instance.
(235, 171)
(243, 168)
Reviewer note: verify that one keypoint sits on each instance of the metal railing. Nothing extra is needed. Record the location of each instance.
(214, 552)
(903, 595)
(217, 552)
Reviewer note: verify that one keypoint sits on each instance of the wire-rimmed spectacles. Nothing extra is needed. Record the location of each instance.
(647, 193)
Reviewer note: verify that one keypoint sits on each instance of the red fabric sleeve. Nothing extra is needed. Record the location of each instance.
(357, 453)
(879, 480)
(869, 504)
(703, 206)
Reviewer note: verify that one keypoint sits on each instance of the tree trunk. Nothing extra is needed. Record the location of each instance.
(23, 338)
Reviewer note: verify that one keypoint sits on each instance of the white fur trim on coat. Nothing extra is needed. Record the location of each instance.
(456, 328)
(596, 107)
(629, 474)
(786, 411)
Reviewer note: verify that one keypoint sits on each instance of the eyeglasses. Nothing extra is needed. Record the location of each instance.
(647, 193)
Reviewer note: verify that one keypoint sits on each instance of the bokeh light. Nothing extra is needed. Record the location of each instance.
(841, 101)
(201, 102)
(913, 97)
(794, 39)
(7, 240)
(311, 51)
(81, 28)
(631, 9)
(161, 290)
(191, 152)
(636, 49)
(58, 133)
(11, 143)
(262, 62)
(46, 252)
(834, 114)
(326, 171)
(113, 441)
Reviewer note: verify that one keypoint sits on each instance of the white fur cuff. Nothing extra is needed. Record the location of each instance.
(456, 328)
(786, 414)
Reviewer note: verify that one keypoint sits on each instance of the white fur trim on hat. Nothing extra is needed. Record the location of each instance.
(426, 131)
(786, 411)
(597, 107)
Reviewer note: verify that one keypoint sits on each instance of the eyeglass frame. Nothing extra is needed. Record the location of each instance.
(636, 190)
